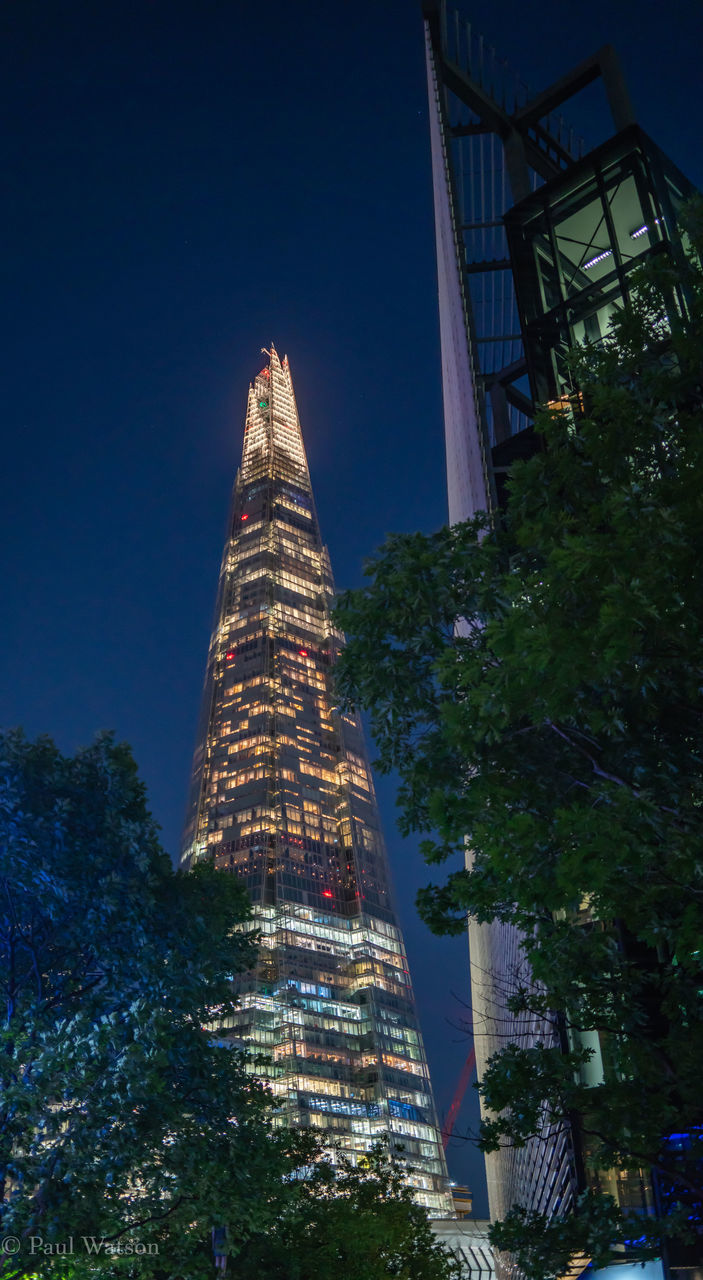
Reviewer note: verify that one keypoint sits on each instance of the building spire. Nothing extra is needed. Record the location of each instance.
(283, 798)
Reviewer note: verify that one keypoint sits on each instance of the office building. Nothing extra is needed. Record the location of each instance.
(282, 797)
(536, 239)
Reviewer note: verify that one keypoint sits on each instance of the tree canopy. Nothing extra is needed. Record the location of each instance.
(121, 1118)
(357, 1221)
(129, 1131)
(535, 680)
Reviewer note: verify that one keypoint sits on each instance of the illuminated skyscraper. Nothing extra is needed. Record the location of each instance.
(282, 796)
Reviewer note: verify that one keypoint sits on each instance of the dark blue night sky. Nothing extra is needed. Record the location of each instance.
(187, 181)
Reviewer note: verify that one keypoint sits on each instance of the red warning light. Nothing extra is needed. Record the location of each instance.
(303, 652)
(327, 893)
(245, 517)
(230, 655)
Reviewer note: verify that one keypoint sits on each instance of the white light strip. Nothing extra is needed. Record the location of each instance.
(641, 231)
(607, 253)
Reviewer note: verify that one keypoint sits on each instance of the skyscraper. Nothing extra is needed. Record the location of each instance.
(537, 240)
(282, 797)
(483, 384)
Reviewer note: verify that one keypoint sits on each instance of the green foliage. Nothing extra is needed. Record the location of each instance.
(123, 1122)
(120, 1118)
(536, 682)
(523, 1080)
(361, 1223)
(547, 1249)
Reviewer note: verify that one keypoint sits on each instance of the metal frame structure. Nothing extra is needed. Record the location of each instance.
(538, 245)
(495, 147)
(493, 144)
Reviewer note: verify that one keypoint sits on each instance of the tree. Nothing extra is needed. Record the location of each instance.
(535, 679)
(122, 1121)
(359, 1222)
(129, 1131)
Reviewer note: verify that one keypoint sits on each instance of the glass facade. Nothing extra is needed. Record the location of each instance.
(575, 243)
(282, 797)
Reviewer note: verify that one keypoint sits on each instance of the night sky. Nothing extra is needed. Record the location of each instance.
(187, 181)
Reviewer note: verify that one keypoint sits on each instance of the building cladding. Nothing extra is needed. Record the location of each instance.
(467, 1241)
(477, 330)
(538, 246)
(282, 797)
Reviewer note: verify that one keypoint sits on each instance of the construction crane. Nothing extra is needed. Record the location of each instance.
(458, 1098)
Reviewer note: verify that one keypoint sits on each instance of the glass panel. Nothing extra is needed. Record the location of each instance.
(633, 232)
(547, 272)
(594, 326)
(548, 346)
(677, 198)
(676, 194)
(583, 245)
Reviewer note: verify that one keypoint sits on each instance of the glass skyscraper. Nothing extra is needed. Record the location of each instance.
(282, 797)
